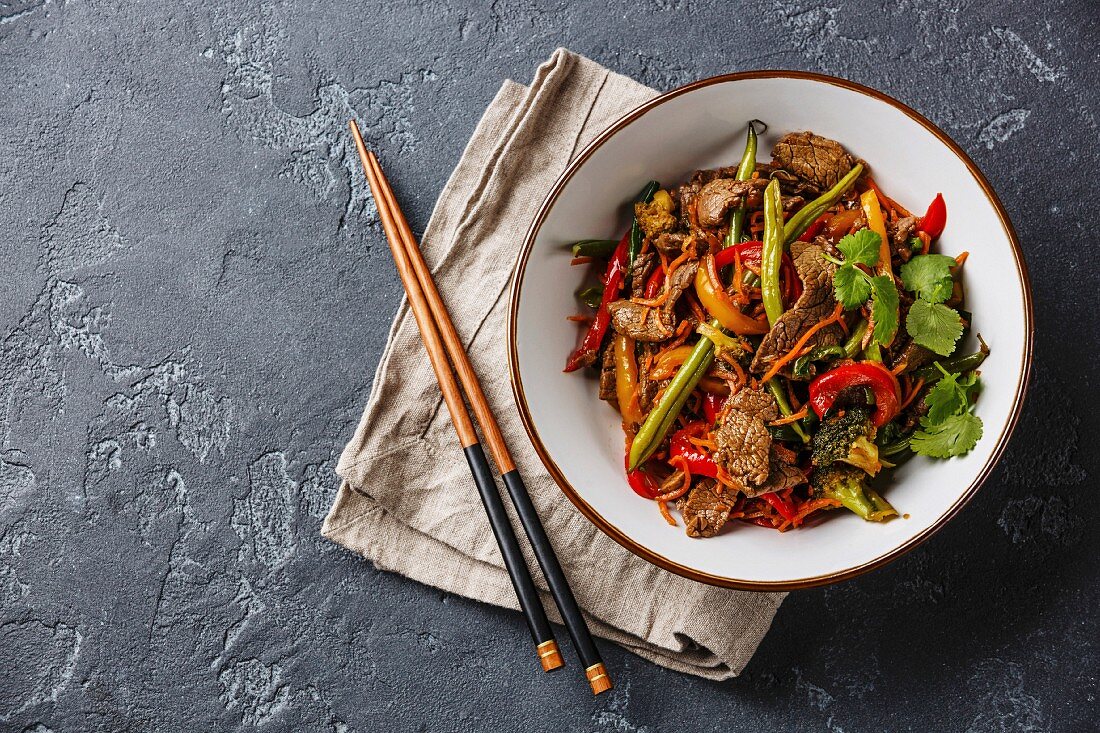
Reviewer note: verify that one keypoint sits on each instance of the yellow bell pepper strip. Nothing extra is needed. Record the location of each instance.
(718, 304)
(669, 362)
(626, 379)
(771, 254)
(877, 224)
(809, 213)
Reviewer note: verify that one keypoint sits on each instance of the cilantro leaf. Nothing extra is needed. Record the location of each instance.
(884, 308)
(929, 276)
(954, 436)
(934, 326)
(861, 247)
(852, 286)
(946, 398)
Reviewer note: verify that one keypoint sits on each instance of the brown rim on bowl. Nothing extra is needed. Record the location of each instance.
(659, 560)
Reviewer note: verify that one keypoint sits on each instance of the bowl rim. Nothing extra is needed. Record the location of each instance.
(649, 555)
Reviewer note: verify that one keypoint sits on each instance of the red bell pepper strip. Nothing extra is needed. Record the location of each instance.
(612, 282)
(935, 219)
(785, 508)
(654, 283)
(643, 484)
(712, 405)
(750, 254)
(814, 229)
(825, 388)
(698, 462)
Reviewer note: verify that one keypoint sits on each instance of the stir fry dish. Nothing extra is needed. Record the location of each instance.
(776, 334)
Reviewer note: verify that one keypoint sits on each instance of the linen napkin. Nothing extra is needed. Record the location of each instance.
(407, 501)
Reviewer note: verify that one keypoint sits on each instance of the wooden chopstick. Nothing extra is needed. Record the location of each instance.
(546, 646)
(544, 552)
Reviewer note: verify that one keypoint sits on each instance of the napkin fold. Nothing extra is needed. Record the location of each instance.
(407, 501)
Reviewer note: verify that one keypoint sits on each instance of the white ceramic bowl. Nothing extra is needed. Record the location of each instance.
(702, 126)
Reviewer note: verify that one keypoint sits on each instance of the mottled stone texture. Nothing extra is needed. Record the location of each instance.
(196, 290)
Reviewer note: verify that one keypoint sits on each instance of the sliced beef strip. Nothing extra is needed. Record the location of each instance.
(639, 273)
(640, 322)
(781, 475)
(644, 323)
(607, 378)
(815, 304)
(742, 437)
(682, 278)
(717, 197)
(686, 194)
(672, 245)
(900, 232)
(817, 160)
(705, 511)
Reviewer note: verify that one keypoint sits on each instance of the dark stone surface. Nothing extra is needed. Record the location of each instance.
(196, 291)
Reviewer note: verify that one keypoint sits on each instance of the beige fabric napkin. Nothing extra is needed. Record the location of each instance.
(407, 501)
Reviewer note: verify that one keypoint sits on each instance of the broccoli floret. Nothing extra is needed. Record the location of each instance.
(848, 436)
(655, 217)
(848, 485)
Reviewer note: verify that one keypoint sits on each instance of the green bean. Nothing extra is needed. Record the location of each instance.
(785, 407)
(636, 235)
(591, 296)
(771, 254)
(595, 247)
(959, 365)
(744, 173)
(855, 341)
(801, 221)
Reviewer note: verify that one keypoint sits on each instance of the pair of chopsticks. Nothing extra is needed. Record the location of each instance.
(442, 341)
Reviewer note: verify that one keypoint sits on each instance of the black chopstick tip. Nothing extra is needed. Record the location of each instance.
(598, 678)
(550, 656)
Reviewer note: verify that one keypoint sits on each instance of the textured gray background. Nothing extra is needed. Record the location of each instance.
(196, 291)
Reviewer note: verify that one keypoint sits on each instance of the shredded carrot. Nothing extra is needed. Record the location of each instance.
(707, 443)
(664, 512)
(584, 260)
(961, 259)
(912, 393)
(793, 417)
(738, 273)
(581, 318)
(725, 479)
(843, 322)
(899, 368)
(794, 352)
(812, 506)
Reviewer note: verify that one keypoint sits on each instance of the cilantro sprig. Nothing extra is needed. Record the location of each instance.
(932, 324)
(950, 428)
(854, 286)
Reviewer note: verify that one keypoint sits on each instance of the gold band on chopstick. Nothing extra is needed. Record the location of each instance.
(550, 656)
(597, 678)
